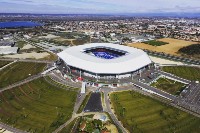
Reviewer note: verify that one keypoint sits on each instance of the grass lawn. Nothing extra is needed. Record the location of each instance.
(168, 85)
(140, 113)
(155, 43)
(36, 106)
(190, 73)
(3, 63)
(19, 71)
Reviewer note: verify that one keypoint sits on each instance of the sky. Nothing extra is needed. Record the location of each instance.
(99, 6)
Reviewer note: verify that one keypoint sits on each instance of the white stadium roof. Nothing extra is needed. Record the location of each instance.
(132, 61)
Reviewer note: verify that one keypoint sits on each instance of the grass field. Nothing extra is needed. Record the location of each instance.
(140, 113)
(36, 106)
(3, 63)
(155, 43)
(168, 85)
(172, 47)
(190, 73)
(19, 71)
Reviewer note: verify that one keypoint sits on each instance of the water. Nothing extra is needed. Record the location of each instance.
(18, 24)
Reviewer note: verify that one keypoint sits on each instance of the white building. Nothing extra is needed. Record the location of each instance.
(11, 50)
(104, 60)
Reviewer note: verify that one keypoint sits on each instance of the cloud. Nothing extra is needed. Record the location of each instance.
(99, 6)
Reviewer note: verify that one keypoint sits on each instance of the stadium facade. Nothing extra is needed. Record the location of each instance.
(104, 61)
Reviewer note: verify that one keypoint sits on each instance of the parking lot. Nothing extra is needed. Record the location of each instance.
(94, 103)
(190, 97)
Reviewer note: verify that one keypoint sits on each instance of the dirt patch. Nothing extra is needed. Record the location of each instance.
(32, 55)
(164, 61)
(112, 128)
(28, 46)
(65, 41)
(171, 48)
(49, 36)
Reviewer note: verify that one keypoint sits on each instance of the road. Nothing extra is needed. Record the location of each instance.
(27, 60)
(57, 77)
(74, 115)
(173, 57)
(108, 109)
(153, 90)
(173, 76)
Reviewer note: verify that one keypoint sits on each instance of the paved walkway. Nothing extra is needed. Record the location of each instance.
(112, 115)
(153, 90)
(173, 76)
(11, 129)
(7, 65)
(48, 70)
(27, 60)
(21, 82)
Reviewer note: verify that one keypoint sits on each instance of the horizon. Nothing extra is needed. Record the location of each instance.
(171, 14)
(99, 6)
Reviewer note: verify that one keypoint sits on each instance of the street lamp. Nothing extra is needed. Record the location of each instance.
(57, 110)
(24, 112)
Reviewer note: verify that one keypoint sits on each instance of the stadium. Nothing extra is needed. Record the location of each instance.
(104, 61)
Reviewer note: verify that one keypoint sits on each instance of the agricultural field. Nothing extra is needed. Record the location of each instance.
(190, 73)
(168, 85)
(155, 43)
(3, 63)
(140, 113)
(36, 106)
(172, 47)
(19, 71)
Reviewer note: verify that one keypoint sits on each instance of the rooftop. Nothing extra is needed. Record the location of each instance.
(133, 59)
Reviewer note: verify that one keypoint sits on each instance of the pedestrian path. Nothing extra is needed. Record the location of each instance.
(7, 65)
